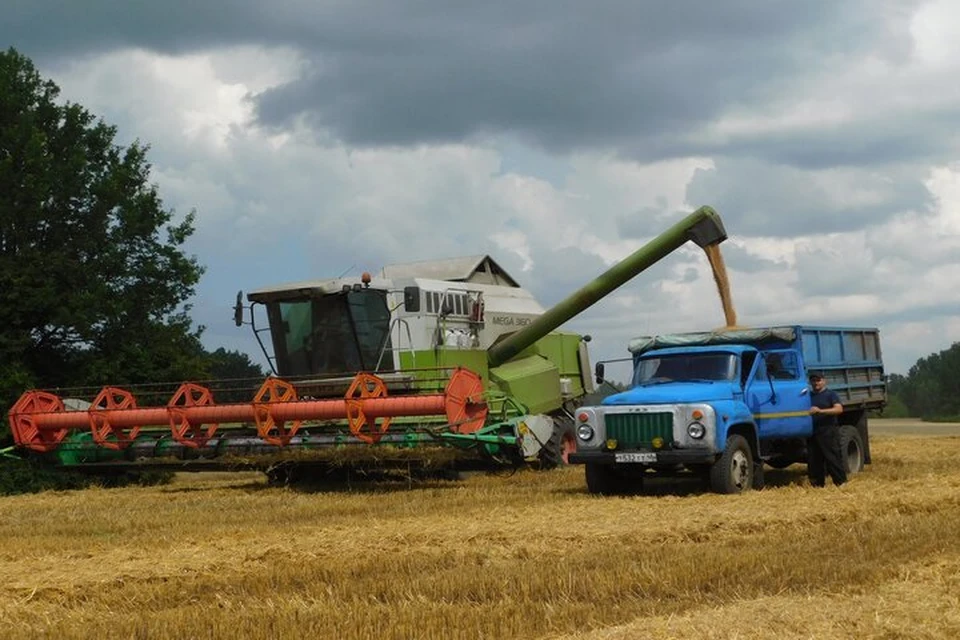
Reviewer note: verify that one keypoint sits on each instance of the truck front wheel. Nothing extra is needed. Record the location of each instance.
(603, 479)
(733, 472)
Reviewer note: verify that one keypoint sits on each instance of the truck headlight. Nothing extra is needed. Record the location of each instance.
(696, 430)
(585, 432)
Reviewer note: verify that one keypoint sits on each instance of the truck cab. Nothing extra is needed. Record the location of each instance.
(721, 404)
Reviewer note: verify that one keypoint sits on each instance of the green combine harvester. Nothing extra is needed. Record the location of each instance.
(447, 364)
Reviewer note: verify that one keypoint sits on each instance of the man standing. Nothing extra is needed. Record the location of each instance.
(823, 448)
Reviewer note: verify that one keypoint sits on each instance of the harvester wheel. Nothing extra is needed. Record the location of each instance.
(281, 475)
(562, 442)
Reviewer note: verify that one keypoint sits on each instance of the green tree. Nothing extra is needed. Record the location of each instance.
(237, 377)
(223, 364)
(896, 407)
(93, 276)
(931, 389)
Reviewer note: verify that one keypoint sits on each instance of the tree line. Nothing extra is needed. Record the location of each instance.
(931, 388)
(94, 279)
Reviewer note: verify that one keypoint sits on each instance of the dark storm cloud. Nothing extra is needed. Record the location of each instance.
(48, 29)
(638, 78)
(634, 77)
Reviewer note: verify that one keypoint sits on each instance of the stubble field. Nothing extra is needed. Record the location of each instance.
(527, 555)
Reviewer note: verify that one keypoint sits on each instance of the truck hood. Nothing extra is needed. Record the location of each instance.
(674, 393)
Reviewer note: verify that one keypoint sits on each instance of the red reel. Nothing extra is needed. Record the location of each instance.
(466, 405)
(111, 399)
(271, 430)
(184, 432)
(365, 385)
(27, 431)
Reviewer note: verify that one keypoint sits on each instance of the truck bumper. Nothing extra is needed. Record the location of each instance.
(671, 457)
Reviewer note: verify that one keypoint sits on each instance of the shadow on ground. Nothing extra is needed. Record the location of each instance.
(312, 480)
(691, 485)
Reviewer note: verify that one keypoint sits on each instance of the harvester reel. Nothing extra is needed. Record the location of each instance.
(466, 405)
(273, 431)
(184, 432)
(365, 385)
(26, 430)
(112, 399)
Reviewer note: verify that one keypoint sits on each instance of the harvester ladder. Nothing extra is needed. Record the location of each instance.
(271, 357)
(396, 324)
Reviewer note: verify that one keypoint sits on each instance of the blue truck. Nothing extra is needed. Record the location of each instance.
(722, 404)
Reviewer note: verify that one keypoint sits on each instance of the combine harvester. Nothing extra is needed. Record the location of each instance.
(432, 365)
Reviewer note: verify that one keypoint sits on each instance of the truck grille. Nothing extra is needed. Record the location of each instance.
(637, 430)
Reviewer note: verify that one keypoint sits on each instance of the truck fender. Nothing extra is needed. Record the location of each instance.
(749, 432)
(730, 415)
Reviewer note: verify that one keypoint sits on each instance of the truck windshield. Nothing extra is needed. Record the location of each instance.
(686, 367)
(337, 333)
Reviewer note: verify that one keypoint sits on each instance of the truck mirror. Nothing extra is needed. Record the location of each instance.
(238, 310)
(598, 372)
(411, 299)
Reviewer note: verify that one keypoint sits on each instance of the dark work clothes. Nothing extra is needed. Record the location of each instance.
(824, 450)
(825, 400)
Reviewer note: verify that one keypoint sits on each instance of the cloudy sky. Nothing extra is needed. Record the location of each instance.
(316, 138)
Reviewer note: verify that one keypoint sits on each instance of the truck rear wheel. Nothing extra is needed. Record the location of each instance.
(733, 472)
(851, 446)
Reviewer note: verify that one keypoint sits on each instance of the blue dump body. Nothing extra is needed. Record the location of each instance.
(693, 394)
(849, 359)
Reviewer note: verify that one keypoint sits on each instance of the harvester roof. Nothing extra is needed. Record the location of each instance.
(479, 269)
(294, 290)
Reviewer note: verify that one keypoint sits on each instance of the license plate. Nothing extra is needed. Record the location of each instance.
(635, 457)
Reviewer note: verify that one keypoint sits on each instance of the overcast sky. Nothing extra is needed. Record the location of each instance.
(320, 138)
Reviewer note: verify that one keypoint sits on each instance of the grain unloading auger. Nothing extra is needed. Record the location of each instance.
(446, 362)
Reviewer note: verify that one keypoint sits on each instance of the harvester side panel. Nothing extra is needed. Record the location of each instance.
(534, 379)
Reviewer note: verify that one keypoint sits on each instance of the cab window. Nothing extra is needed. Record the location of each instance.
(782, 365)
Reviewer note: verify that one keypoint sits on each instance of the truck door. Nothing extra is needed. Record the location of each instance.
(779, 396)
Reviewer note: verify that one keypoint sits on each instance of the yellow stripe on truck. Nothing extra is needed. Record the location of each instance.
(785, 414)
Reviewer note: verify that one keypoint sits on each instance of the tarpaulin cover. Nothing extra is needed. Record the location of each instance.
(719, 337)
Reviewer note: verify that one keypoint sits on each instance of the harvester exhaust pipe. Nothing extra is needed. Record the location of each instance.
(703, 227)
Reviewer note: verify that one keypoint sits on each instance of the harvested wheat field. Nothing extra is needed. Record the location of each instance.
(511, 556)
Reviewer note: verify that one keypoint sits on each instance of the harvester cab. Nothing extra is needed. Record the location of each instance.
(343, 325)
(448, 362)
